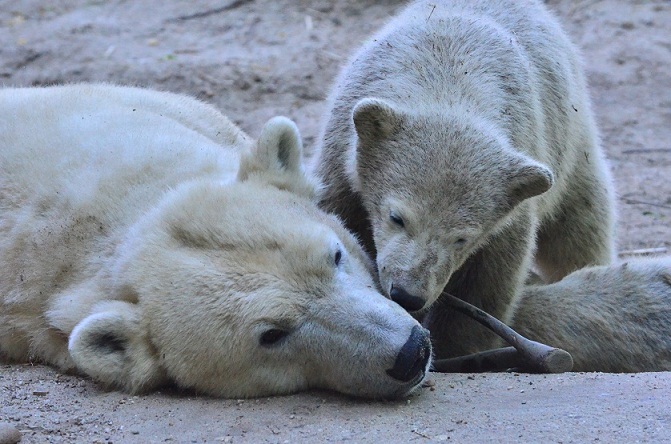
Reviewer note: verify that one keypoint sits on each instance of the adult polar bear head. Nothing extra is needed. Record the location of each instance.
(168, 248)
(247, 289)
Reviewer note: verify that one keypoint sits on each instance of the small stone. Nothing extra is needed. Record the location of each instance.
(429, 383)
(9, 434)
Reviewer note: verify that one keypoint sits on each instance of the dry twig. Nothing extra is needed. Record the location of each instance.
(525, 354)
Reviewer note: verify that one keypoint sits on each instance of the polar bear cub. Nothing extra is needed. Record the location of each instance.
(144, 240)
(460, 146)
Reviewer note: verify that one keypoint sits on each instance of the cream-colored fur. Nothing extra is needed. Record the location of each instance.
(610, 318)
(460, 146)
(144, 239)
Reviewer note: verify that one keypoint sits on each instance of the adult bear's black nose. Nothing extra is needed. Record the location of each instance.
(405, 299)
(413, 357)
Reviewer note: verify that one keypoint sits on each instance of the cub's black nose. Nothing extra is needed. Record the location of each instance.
(405, 299)
(413, 357)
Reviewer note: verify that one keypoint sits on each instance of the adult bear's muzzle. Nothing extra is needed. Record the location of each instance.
(414, 356)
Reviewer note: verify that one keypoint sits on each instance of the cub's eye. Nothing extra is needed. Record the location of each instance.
(272, 337)
(337, 258)
(396, 219)
(460, 242)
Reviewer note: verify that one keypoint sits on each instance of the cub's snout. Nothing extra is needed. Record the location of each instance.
(406, 300)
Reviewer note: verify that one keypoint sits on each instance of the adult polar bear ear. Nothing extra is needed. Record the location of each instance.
(277, 159)
(111, 346)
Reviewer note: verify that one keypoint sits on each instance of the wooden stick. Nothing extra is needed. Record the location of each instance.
(526, 354)
(496, 360)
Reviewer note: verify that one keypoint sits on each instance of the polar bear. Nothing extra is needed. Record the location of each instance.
(459, 145)
(145, 240)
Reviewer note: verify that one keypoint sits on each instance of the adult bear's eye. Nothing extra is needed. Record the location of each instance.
(272, 337)
(337, 258)
(396, 219)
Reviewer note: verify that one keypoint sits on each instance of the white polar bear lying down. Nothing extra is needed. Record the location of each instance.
(144, 240)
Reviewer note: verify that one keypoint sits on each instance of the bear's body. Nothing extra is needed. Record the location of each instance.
(145, 239)
(461, 148)
(613, 318)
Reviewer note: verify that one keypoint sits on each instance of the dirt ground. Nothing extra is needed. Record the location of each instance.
(258, 58)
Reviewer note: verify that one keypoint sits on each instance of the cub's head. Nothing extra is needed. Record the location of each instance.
(436, 188)
(247, 289)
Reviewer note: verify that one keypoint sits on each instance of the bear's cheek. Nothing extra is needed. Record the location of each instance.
(394, 252)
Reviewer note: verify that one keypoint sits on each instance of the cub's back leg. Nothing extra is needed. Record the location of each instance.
(611, 319)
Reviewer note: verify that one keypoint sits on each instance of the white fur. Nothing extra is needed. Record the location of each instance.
(470, 122)
(144, 239)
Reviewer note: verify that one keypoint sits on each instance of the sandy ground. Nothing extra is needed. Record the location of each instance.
(258, 58)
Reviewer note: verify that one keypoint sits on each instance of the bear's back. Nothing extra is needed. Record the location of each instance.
(508, 62)
(61, 147)
(79, 165)
(488, 54)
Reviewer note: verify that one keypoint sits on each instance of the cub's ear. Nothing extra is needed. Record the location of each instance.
(111, 347)
(375, 119)
(277, 159)
(527, 179)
